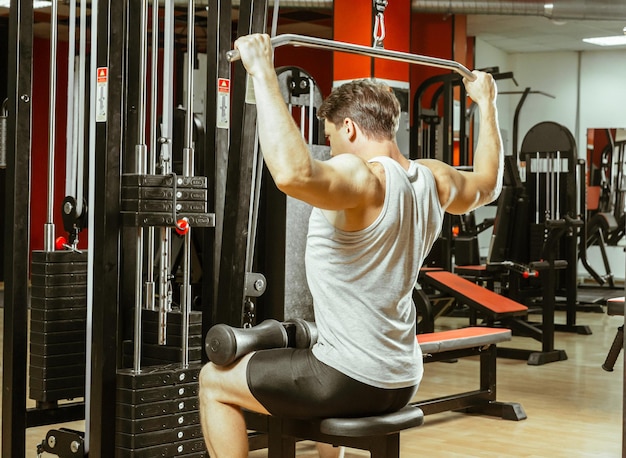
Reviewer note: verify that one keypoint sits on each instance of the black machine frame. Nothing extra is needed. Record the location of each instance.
(227, 161)
(106, 322)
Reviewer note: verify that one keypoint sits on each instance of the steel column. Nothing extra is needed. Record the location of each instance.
(219, 30)
(232, 269)
(17, 221)
(106, 232)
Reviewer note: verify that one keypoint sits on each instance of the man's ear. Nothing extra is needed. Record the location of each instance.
(350, 127)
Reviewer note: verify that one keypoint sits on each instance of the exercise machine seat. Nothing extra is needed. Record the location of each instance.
(380, 425)
(457, 339)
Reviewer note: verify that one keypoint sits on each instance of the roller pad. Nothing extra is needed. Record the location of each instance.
(225, 344)
(305, 333)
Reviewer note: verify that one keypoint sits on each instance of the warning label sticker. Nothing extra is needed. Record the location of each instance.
(223, 103)
(102, 93)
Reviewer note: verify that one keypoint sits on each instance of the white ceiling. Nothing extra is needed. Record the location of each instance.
(539, 34)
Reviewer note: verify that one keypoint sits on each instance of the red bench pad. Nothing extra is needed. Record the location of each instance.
(457, 339)
(474, 295)
(615, 306)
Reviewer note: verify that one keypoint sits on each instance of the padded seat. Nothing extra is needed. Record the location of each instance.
(381, 425)
(492, 304)
(615, 306)
(380, 435)
(458, 339)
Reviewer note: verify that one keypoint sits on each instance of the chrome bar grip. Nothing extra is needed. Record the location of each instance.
(331, 45)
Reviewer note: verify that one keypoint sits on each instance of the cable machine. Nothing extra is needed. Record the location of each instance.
(139, 344)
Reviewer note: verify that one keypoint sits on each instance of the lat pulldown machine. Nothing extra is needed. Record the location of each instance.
(121, 170)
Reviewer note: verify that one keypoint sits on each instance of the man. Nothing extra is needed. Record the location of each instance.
(376, 215)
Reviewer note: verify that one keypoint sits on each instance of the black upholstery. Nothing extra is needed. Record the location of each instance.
(380, 435)
(408, 417)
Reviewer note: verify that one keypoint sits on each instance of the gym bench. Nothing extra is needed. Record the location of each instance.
(380, 435)
(497, 308)
(459, 343)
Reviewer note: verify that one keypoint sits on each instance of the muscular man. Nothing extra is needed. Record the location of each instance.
(376, 215)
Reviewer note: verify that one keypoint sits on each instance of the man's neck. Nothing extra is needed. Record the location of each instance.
(387, 148)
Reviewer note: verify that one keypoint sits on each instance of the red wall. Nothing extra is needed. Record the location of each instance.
(350, 14)
(431, 35)
(355, 26)
(397, 38)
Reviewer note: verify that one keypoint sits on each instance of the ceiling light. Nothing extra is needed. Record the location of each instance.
(607, 41)
(36, 4)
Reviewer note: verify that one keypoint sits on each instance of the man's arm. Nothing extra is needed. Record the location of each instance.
(343, 182)
(460, 191)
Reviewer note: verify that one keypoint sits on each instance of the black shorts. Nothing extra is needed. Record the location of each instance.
(291, 382)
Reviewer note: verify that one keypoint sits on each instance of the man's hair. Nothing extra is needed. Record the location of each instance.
(371, 105)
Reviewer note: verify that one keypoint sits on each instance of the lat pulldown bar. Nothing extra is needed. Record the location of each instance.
(321, 43)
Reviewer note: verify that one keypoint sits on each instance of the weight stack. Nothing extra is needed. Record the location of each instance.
(157, 413)
(160, 200)
(57, 325)
(153, 354)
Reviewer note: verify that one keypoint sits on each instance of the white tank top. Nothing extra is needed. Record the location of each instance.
(362, 281)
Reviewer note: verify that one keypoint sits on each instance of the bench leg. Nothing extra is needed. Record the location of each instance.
(386, 446)
(616, 348)
(505, 410)
(278, 444)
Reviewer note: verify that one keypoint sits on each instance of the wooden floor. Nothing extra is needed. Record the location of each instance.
(574, 407)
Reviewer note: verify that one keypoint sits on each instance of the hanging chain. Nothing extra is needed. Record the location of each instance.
(379, 23)
(249, 313)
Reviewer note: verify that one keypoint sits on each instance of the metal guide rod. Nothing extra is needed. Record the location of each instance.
(150, 287)
(188, 163)
(331, 45)
(558, 183)
(80, 127)
(536, 188)
(548, 213)
(154, 78)
(553, 214)
(275, 13)
(188, 148)
(72, 100)
(165, 290)
(311, 115)
(91, 196)
(49, 226)
(140, 167)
